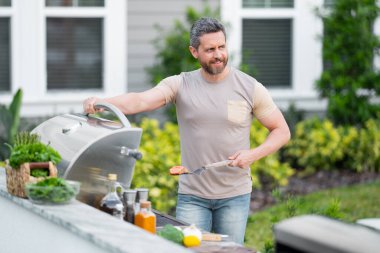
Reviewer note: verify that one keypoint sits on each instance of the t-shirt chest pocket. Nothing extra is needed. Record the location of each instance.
(237, 111)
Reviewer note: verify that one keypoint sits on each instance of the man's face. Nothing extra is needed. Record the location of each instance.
(212, 52)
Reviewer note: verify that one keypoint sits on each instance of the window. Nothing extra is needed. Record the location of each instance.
(74, 48)
(4, 54)
(61, 51)
(269, 46)
(74, 53)
(5, 70)
(266, 40)
(268, 3)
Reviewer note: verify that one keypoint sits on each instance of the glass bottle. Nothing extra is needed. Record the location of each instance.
(145, 218)
(129, 197)
(141, 195)
(111, 203)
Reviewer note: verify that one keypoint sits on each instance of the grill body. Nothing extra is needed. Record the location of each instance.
(91, 148)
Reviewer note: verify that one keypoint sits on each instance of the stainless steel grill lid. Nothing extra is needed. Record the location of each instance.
(91, 148)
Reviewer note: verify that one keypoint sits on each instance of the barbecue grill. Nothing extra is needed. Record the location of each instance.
(91, 148)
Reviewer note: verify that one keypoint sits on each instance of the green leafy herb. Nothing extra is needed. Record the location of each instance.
(54, 190)
(34, 152)
(39, 172)
(25, 138)
(171, 233)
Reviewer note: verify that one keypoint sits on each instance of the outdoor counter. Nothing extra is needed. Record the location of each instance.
(77, 227)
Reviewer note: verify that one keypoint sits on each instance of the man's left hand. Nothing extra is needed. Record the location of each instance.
(242, 159)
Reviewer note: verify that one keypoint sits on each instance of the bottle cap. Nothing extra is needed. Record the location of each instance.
(129, 195)
(112, 177)
(142, 194)
(144, 204)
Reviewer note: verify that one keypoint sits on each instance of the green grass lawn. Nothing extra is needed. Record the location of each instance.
(347, 203)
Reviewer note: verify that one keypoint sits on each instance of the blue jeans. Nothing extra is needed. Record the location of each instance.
(223, 216)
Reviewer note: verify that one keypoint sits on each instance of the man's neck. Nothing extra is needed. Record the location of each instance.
(215, 78)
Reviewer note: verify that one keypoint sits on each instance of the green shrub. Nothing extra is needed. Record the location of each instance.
(315, 145)
(349, 80)
(366, 156)
(161, 151)
(319, 145)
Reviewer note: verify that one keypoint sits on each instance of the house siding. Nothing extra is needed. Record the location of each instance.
(143, 15)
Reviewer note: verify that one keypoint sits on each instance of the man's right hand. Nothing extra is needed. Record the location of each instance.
(88, 104)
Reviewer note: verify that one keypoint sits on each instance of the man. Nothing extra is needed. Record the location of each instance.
(215, 107)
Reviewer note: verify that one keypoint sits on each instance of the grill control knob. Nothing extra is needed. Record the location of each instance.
(134, 153)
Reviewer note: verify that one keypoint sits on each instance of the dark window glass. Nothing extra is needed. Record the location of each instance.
(268, 3)
(5, 55)
(74, 3)
(74, 53)
(5, 2)
(267, 45)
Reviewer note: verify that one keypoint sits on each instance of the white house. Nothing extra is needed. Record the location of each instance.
(62, 51)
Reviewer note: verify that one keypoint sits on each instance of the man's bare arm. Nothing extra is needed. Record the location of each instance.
(279, 135)
(130, 103)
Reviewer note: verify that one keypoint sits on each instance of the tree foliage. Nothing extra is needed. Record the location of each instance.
(349, 80)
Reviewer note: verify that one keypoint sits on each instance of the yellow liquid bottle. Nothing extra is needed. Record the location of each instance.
(145, 218)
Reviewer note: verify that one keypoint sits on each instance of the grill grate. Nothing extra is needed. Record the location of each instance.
(163, 219)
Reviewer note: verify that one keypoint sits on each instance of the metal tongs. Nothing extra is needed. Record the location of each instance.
(202, 169)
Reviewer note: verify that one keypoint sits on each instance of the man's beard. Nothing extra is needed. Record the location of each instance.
(214, 70)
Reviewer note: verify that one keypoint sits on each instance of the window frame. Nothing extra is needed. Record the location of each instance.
(28, 52)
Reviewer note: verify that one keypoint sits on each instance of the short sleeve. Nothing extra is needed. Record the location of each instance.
(169, 87)
(263, 103)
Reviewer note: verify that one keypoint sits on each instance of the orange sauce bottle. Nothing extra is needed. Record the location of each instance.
(145, 218)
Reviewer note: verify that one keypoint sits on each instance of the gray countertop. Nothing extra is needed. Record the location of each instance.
(90, 224)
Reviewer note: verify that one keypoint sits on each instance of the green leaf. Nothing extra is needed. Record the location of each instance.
(14, 109)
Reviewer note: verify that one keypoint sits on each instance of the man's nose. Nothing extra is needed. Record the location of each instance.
(217, 54)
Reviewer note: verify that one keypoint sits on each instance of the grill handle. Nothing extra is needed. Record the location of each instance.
(109, 107)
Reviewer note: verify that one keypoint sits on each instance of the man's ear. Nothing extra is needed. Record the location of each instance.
(194, 52)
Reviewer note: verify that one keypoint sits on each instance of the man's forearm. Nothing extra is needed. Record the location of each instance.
(128, 103)
(275, 140)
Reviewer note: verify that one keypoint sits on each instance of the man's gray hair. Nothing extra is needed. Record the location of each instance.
(203, 26)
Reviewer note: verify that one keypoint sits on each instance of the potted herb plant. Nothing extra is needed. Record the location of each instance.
(30, 161)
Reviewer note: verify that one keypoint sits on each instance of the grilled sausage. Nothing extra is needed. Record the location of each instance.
(178, 170)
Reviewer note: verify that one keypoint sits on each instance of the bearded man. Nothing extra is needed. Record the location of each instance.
(215, 108)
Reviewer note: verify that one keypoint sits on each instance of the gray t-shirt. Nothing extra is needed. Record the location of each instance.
(214, 122)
